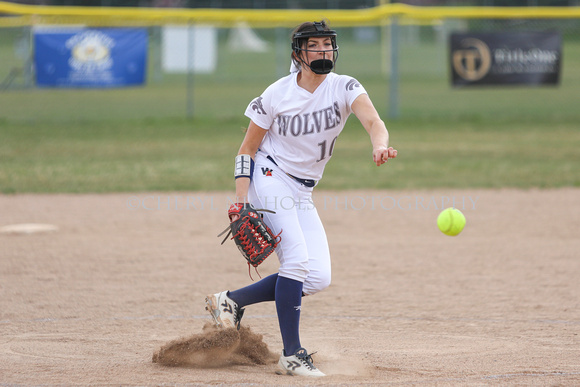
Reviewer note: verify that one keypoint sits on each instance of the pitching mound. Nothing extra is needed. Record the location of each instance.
(216, 348)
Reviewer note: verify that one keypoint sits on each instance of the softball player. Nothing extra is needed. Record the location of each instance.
(293, 128)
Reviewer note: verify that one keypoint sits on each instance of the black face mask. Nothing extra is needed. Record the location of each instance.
(318, 66)
(321, 66)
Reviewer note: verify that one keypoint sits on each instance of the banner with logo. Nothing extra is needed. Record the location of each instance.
(506, 58)
(108, 57)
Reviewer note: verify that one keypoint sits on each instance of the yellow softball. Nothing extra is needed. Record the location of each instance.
(451, 221)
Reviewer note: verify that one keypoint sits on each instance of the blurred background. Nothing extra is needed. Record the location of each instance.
(236, 59)
(205, 61)
(293, 4)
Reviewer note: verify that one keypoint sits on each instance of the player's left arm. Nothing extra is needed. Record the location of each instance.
(365, 111)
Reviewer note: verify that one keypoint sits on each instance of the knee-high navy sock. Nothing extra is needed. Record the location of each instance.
(288, 303)
(263, 290)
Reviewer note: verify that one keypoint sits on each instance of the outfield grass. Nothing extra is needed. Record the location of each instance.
(181, 155)
(138, 139)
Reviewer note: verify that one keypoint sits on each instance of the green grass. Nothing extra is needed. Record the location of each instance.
(124, 156)
(139, 139)
(468, 154)
(181, 155)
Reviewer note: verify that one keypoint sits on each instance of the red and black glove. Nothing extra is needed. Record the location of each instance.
(254, 239)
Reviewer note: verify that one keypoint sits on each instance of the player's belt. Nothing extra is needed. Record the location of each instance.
(305, 182)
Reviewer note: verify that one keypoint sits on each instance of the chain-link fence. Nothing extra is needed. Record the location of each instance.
(247, 59)
(295, 4)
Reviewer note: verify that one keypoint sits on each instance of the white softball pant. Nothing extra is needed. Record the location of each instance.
(303, 250)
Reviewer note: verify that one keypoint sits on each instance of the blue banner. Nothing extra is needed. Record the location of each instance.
(99, 58)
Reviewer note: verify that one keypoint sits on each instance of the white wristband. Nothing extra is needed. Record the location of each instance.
(244, 166)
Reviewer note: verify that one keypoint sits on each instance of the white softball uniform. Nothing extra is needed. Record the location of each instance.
(302, 131)
(303, 126)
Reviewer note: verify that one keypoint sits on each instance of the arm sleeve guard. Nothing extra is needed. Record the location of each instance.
(244, 166)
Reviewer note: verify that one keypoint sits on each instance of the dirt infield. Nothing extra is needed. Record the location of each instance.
(126, 274)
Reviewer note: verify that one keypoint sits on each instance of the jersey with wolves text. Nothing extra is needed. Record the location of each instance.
(303, 127)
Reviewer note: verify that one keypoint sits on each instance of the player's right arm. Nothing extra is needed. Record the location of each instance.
(254, 136)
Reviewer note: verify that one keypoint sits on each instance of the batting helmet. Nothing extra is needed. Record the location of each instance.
(314, 30)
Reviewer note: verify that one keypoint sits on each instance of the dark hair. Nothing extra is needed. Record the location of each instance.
(308, 29)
